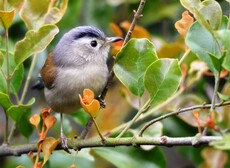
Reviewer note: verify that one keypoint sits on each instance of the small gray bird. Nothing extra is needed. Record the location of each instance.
(78, 62)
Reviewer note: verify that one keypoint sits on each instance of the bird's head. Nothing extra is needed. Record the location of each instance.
(81, 45)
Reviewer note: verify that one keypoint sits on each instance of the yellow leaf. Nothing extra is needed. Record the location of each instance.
(35, 120)
(6, 18)
(48, 145)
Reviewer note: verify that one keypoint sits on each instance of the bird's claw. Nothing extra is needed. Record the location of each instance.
(64, 143)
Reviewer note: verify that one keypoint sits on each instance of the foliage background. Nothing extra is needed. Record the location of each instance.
(159, 17)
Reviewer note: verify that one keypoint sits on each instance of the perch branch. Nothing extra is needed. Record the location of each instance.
(18, 150)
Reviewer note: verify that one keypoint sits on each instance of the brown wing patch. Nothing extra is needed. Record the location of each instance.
(49, 72)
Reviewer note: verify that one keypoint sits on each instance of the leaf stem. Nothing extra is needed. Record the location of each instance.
(8, 79)
(7, 62)
(98, 130)
(25, 89)
(184, 56)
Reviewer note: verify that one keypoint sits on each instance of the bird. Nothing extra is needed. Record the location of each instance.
(78, 61)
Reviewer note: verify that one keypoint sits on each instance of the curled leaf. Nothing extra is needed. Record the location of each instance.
(184, 24)
(48, 145)
(89, 104)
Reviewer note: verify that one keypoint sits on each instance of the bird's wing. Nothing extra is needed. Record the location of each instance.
(49, 72)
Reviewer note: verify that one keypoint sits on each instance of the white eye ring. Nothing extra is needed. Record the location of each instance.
(93, 43)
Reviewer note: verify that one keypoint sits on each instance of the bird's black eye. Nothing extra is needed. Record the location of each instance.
(93, 43)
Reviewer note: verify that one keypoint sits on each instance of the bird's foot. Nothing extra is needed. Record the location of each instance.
(102, 102)
(64, 143)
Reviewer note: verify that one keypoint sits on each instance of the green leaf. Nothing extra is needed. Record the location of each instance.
(17, 77)
(23, 124)
(124, 157)
(1, 59)
(212, 13)
(202, 43)
(81, 117)
(17, 111)
(34, 42)
(162, 79)
(208, 13)
(223, 97)
(6, 18)
(36, 13)
(132, 62)
(223, 144)
(5, 101)
(224, 36)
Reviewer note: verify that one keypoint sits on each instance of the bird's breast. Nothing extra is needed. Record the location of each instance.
(70, 82)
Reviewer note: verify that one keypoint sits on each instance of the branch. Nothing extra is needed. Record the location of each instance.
(204, 106)
(18, 150)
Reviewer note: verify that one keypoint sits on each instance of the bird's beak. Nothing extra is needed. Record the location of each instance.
(110, 40)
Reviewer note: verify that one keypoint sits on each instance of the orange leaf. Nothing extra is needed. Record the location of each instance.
(210, 123)
(50, 121)
(196, 116)
(35, 119)
(89, 104)
(138, 32)
(184, 24)
(6, 18)
(48, 145)
(115, 29)
(45, 113)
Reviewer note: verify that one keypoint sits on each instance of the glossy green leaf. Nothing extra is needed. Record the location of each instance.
(6, 18)
(36, 13)
(1, 59)
(17, 111)
(223, 144)
(224, 36)
(202, 43)
(5, 101)
(18, 74)
(34, 42)
(208, 12)
(162, 79)
(132, 62)
(124, 157)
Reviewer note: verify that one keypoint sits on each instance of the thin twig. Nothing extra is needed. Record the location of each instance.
(18, 150)
(205, 106)
(137, 15)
